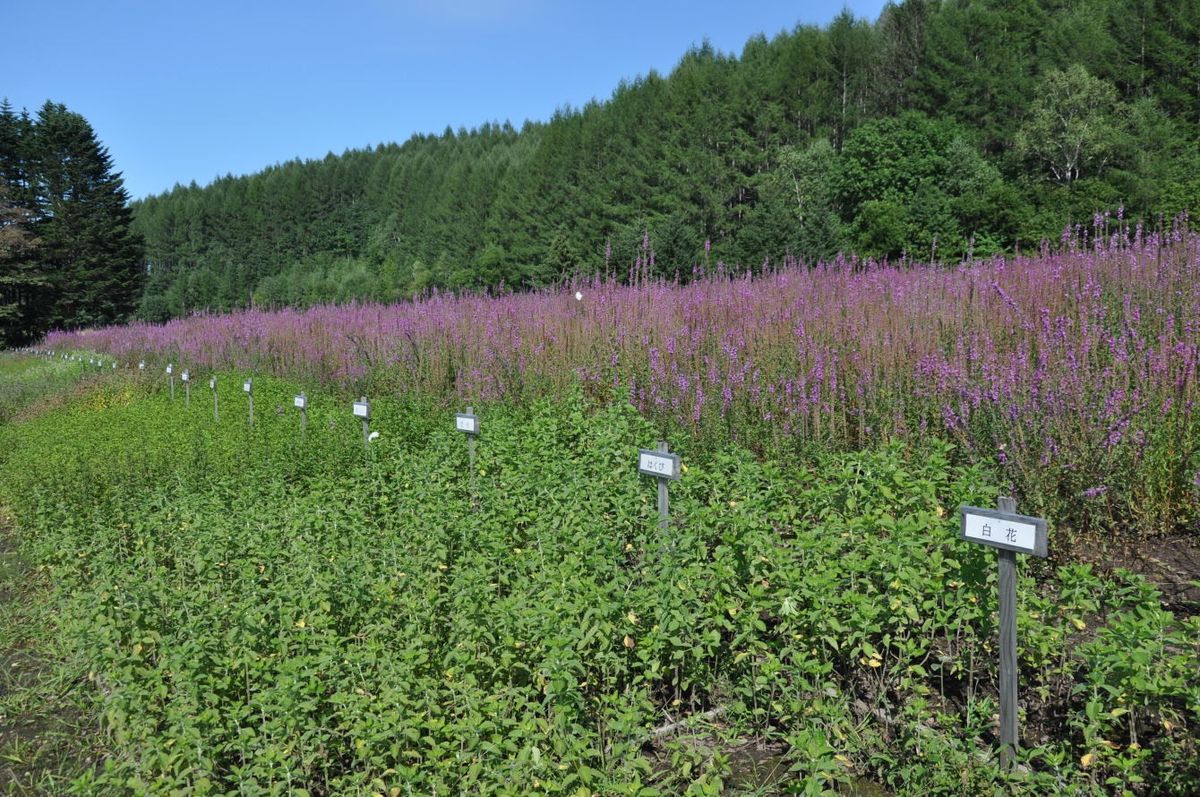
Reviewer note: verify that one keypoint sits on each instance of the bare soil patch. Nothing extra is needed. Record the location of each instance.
(45, 737)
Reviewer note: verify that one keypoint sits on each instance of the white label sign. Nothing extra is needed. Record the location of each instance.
(1019, 533)
(301, 402)
(247, 386)
(185, 376)
(170, 369)
(467, 423)
(362, 409)
(142, 365)
(212, 382)
(655, 463)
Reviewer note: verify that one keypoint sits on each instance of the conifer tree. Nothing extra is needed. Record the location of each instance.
(22, 282)
(91, 257)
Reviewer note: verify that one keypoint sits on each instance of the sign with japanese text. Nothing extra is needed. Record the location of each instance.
(1020, 533)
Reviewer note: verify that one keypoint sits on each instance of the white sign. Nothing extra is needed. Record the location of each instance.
(142, 365)
(185, 376)
(362, 409)
(467, 423)
(301, 402)
(1019, 533)
(170, 368)
(248, 385)
(654, 463)
(212, 382)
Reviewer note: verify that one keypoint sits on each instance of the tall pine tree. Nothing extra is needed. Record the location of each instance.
(92, 258)
(23, 285)
(68, 255)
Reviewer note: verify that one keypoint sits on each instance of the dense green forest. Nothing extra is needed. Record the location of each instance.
(68, 255)
(940, 129)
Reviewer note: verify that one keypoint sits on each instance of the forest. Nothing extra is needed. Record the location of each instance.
(940, 130)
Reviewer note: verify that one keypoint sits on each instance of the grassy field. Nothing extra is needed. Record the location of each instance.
(210, 608)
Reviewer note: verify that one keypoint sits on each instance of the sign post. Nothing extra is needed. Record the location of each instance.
(187, 388)
(248, 387)
(362, 409)
(665, 467)
(301, 403)
(1010, 534)
(171, 377)
(212, 383)
(468, 423)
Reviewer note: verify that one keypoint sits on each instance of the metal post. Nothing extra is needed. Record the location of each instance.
(303, 415)
(663, 502)
(187, 393)
(250, 395)
(471, 442)
(366, 428)
(471, 452)
(172, 377)
(1008, 647)
(216, 413)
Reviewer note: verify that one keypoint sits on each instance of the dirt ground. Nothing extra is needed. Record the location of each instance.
(1171, 563)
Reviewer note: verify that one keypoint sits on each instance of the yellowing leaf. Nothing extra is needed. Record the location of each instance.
(1079, 624)
(300, 623)
(629, 642)
(1087, 760)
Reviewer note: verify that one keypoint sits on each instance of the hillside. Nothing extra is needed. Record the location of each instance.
(936, 130)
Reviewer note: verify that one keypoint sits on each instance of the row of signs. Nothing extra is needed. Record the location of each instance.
(1006, 531)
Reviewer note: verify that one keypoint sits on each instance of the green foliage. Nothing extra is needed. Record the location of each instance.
(1073, 125)
(911, 181)
(262, 613)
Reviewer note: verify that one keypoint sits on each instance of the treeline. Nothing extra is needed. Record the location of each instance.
(938, 130)
(68, 255)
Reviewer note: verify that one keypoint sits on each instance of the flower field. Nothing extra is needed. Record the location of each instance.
(228, 608)
(1073, 375)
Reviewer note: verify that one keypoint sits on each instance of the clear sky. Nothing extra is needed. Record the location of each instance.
(183, 91)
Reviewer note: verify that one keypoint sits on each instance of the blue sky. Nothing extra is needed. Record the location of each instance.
(183, 91)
